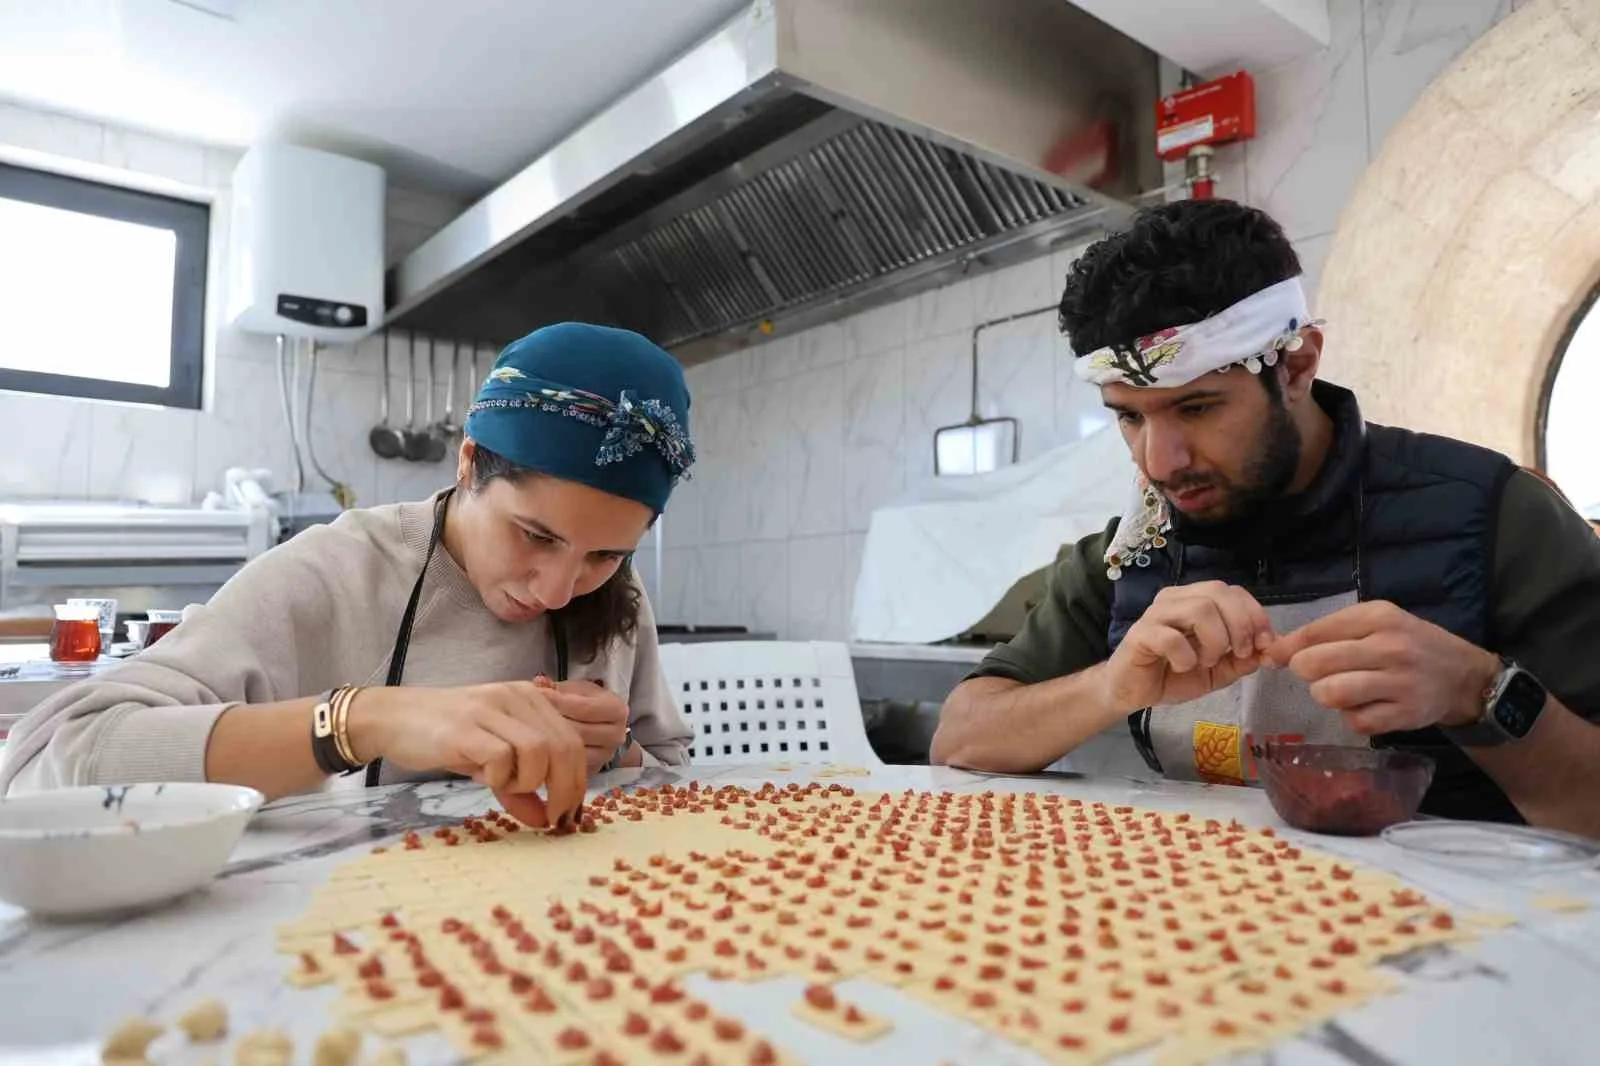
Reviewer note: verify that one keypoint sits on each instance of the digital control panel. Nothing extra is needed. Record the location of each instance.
(315, 312)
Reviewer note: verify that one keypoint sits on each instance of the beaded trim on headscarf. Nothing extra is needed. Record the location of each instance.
(1143, 529)
(1259, 325)
(630, 423)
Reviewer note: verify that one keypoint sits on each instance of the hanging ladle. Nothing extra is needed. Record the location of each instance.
(447, 425)
(476, 383)
(387, 441)
(434, 450)
(416, 440)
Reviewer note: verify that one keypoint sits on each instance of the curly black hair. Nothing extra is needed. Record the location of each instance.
(593, 621)
(1177, 263)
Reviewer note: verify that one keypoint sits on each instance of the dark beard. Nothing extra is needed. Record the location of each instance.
(1267, 475)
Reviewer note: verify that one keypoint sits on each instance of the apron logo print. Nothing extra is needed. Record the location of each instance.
(1217, 753)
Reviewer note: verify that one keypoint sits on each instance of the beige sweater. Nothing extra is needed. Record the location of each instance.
(316, 612)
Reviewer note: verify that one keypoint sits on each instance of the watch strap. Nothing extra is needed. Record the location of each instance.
(1485, 731)
(330, 743)
(622, 749)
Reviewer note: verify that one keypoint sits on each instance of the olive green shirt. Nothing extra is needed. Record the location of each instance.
(1546, 602)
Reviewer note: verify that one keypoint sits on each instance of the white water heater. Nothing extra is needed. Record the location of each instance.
(305, 249)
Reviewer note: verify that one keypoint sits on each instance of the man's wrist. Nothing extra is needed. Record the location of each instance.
(1099, 675)
(1484, 668)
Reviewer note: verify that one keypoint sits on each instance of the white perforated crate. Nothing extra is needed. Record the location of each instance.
(768, 701)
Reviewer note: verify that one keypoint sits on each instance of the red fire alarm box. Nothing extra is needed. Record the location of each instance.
(1214, 113)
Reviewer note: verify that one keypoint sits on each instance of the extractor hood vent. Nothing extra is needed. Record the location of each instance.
(859, 207)
(811, 158)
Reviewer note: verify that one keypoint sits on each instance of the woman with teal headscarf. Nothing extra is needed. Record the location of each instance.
(495, 630)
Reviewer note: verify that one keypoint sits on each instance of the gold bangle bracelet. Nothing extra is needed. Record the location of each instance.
(341, 723)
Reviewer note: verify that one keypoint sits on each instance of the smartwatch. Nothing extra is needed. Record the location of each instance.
(1511, 706)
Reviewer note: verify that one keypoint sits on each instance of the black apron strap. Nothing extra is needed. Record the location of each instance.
(402, 638)
(558, 632)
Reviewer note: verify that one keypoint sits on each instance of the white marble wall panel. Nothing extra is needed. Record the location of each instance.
(819, 595)
(764, 591)
(1408, 44)
(721, 470)
(880, 329)
(721, 585)
(142, 453)
(1079, 410)
(1016, 378)
(764, 460)
(344, 409)
(46, 446)
(815, 447)
(679, 580)
(1311, 144)
(683, 524)
(874, 435)
(938, 392)
(1313, 251)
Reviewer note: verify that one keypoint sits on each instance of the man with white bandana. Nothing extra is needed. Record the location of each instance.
(1286, 570)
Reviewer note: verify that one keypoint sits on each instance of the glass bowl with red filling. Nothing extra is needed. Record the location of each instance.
(1324, 788)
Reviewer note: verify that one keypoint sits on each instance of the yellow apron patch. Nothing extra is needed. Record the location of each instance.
(1216, 753)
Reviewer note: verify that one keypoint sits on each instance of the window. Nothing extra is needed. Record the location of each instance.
(1569, 432)
(102, 290)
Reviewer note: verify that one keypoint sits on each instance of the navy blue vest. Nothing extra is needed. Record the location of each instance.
(1395, 515)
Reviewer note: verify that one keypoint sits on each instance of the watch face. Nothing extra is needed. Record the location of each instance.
(1519, 705)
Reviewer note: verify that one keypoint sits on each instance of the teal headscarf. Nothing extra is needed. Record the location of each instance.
(600, 406)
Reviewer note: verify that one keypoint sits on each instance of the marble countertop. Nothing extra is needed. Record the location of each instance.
(1521, 994)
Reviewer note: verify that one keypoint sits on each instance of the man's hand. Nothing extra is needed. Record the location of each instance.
(1192, 640)
(599, 715)
(1387, 670)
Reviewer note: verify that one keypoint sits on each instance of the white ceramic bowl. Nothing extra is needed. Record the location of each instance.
(77, 852)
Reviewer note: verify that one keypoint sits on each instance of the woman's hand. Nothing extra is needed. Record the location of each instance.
(508, 736)
(599, 715)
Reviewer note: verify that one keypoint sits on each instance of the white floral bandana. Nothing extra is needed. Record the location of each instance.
(1260, 326)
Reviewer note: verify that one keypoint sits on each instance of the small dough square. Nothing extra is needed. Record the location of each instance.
(844, 1019)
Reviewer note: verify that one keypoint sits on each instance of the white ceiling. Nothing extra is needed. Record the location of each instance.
(452, 96)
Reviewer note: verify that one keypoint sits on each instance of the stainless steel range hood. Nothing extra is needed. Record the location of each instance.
(810, 158)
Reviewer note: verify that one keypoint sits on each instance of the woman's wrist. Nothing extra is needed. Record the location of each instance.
(364, 724)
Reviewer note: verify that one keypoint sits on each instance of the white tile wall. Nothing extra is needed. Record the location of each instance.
(903, 370)
(874, 434)
(81, 448)
(1311, 143)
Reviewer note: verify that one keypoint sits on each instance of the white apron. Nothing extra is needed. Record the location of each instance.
(1218, 737)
